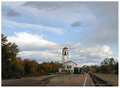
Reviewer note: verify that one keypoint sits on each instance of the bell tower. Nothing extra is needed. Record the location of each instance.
(65, 54)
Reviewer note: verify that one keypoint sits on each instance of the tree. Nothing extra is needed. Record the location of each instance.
(111, 61)
(27, 69)
(108, 65)
(47, 68)
(16, 71)
(9, 50)
(116, 67)
(105, 62)
(9, 53)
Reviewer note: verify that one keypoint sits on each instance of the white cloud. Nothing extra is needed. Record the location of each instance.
(37, 27)
(100, 16)
(36, 47)
(89, 54)
(27, 41)
(41, 55)
(61, 12)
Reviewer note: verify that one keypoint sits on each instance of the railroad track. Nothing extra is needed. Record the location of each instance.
(98, 81)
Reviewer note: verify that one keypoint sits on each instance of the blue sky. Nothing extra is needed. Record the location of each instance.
(42, 29)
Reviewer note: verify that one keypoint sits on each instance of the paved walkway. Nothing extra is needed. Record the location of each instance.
(31, 81)
(81, 80)
(58, 80)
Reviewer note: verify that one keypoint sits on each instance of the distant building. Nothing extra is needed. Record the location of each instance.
(67, 65)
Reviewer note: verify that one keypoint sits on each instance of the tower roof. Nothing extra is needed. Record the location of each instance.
(65, 48)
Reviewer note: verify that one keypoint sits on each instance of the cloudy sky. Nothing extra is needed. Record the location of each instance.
(42, 29)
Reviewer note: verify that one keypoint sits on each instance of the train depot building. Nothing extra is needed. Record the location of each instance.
(67, 65)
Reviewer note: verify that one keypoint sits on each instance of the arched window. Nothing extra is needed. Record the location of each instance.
(65, 53)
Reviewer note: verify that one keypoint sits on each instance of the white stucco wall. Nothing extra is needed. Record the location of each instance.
(65, 59)
(69, 64)
(65, 54)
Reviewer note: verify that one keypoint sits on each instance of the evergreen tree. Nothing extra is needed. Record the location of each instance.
(9, 53)
(27, 69)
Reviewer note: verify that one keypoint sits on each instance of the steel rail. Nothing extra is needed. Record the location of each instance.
(99, 82)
